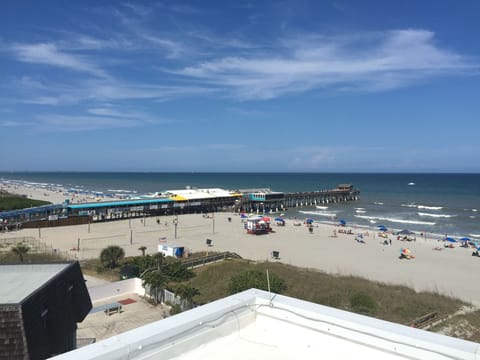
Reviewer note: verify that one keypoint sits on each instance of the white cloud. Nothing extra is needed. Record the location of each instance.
(363, 62)
(10, 123)
(49, 54)
(74, 123)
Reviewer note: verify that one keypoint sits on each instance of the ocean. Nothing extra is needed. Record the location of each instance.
(430, 203)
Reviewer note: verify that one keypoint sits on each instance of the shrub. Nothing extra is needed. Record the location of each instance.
(363, 303)
(111, 255)
(175, 309)
(176, 271)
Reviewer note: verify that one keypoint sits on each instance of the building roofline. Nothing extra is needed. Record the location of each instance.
(222, 317)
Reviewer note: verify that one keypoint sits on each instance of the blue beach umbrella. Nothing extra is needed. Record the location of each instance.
(450, 239)
(342, 222)
(382, 228)
(308, 221)
(465, 238)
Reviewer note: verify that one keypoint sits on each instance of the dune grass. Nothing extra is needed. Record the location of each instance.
(15, 202)
(394, 303)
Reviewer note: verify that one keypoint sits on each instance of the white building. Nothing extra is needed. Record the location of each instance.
(257, 325)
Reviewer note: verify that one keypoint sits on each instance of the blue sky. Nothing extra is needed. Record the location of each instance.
(290, 86)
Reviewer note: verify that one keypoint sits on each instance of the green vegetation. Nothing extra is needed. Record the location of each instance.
(363, 303)
(394, 303)
(398, 304)
(111, 256)
(156, 281)
(31, 257)
(255, 279)
(15, 202)
(187, 293)
(21, 250)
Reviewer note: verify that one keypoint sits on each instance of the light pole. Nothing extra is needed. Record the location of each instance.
(175, 222)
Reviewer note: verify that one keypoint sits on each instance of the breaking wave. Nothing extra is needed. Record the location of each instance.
(395, 220)
(425, 207)
(319, 213)
(435, 215)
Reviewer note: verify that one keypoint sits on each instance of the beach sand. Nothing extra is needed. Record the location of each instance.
(452, 272)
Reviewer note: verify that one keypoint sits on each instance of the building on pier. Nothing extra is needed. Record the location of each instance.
(265, 200)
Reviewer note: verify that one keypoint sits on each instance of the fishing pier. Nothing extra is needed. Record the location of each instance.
(173, 202)
(265, 200)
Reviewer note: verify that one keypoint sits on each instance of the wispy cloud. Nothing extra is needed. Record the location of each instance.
(49, 54)
(11, 123)
(373, 61)
(75, 123)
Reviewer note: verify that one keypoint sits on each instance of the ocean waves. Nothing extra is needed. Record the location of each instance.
(395, 220)
(435, 215)
(424, 207)
(319, 213)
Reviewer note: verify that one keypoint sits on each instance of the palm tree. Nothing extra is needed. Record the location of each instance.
(187, 293)
(142, 249)
(111, 255)
(159, 257)
(156, 281)
(20, 250)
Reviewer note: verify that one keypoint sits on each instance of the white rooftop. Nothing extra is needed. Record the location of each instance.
(257, 325)
(19, 281)
(194, 194)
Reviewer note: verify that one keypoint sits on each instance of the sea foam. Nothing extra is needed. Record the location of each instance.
(435, 215)
(395, 220)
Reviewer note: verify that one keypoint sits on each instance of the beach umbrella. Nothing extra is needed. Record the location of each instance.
(266, 219)
(309, 221)
(342, 222)
(465, 238)
(450, 239)
(279, 219)
(382, 228)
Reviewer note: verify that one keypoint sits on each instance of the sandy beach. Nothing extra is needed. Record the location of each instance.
(448, 271)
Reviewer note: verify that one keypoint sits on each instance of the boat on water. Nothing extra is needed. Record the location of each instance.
(411, 184)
